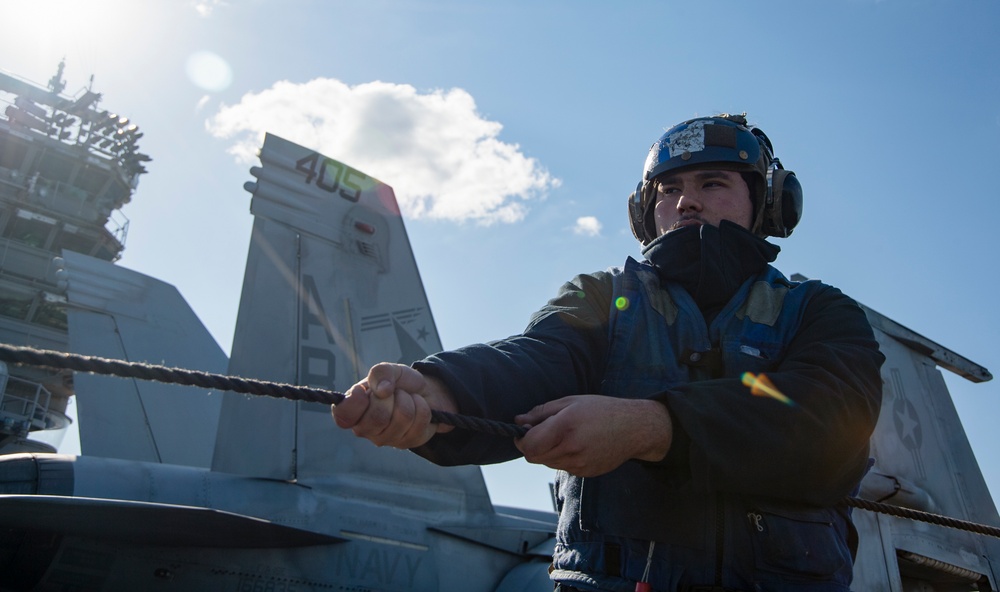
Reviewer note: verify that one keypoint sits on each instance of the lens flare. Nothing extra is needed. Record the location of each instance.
(621, 303)
(761, 386)
(209, 71)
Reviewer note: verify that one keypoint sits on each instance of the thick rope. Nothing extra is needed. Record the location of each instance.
(911, 514)
(95, 365)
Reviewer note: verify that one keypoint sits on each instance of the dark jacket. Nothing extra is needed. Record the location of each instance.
(749, 493)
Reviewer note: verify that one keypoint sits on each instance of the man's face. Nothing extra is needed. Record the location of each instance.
(699, 197)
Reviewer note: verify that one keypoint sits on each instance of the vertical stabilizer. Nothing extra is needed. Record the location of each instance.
(117, 313)
(331, 287)
(923, 461)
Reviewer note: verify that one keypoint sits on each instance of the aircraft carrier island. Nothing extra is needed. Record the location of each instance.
(66, 169)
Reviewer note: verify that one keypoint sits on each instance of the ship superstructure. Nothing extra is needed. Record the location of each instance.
(66, 168)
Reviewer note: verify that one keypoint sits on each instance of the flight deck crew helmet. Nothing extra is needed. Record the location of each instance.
(722, 142)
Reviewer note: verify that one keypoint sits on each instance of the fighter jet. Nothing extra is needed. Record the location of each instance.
(179, 489)
(182, 489)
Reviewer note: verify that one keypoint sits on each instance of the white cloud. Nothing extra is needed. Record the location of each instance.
(205, 7)
(201, 103)
(587, 226)
(442, 158)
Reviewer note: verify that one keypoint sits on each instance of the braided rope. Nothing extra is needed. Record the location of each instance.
(96, 365)
(911, 514)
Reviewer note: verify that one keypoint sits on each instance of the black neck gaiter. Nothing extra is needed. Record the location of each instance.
(710, 262)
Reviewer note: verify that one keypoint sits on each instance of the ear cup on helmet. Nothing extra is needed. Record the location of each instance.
(791, 202)
(635, 217)
(783, 204)
(640, 213)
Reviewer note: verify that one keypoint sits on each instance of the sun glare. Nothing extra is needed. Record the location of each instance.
(88, 35)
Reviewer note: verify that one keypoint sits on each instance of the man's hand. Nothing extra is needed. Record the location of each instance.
(392, 406)
(589, 435)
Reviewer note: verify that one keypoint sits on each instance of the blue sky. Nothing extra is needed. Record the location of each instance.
(513, 132)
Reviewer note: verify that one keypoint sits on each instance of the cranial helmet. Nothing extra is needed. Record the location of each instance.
(724, 142)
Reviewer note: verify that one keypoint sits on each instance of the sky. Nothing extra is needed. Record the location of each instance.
(512, 133)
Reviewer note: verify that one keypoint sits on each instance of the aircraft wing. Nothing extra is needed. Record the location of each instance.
(150, 524)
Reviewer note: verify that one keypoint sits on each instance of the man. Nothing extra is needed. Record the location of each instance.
(706, 415)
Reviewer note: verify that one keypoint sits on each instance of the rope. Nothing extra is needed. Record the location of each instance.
(95, 365)
(911, 514)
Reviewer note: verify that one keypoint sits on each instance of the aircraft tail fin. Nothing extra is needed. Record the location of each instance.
(922, 460)
(331, 287)
(114, 312)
